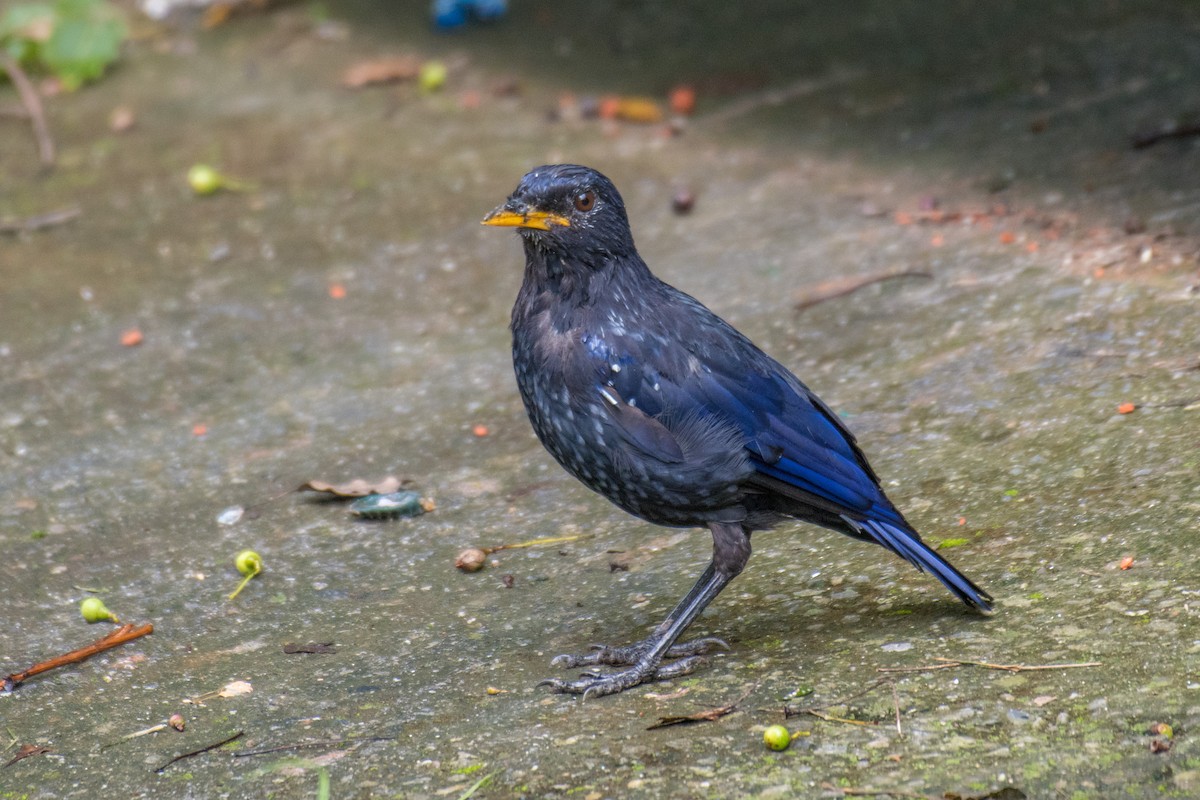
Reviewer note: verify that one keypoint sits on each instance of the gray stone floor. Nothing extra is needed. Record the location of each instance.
(989, 147)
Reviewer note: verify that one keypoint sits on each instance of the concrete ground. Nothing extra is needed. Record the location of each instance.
(988, 147)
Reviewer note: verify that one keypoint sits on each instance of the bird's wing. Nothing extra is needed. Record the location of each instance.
(639, 429)
(797, 444)
(794, 438)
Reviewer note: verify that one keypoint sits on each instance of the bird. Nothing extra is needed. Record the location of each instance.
(653, 401)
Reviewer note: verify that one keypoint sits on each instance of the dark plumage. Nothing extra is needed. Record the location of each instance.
(653, 401)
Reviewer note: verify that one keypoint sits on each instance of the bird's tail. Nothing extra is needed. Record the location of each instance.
(905, 542)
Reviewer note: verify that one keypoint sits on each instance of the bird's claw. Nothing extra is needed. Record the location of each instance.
(594, 684)
(632, 654)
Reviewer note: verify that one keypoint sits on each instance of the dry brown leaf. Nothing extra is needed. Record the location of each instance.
(27, 750)
(355, 488)
(235, 688)
(388, 69)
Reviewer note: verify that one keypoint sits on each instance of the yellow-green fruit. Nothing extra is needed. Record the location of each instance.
(777, 737)
(249, 562)
(432, 76)
(94, 610)
(204, 179)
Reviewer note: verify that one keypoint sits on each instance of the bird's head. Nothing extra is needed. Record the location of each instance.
(567, 209)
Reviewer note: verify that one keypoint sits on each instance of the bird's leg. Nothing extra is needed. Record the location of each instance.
(731, 551)
(630, 654)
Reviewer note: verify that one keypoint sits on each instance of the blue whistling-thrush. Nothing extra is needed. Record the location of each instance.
(653, 401)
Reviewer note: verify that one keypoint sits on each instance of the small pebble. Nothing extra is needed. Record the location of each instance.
(230, 515)
(683, 202)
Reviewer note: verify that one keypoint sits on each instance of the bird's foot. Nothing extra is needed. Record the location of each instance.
(631, 655)
(592, 684)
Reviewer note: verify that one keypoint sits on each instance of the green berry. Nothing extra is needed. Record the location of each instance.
(248, 562)
(777, 737)
(204, 179)
(432, 76)
(94, 610)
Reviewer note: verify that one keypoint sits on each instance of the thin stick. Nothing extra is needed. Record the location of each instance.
(778, 96)
(950, 663)
(162, 726)
(1171, 131)
(536, 542)
(305, 745)
(225, 741)
(830, 718)
(851, 792)
(33, 104)
(123, 634)
(830, 290)
(39, 221)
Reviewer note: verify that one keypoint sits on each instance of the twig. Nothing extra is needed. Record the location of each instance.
(829, 290)
(305, 745)
(708, 715)
(123, 634)
(214, 746)
(39, 221)
(33, 104)
(950, 663)
(1172, 130)
(536, 542)
(830, 718)
(777, 97)
(851, 792)
(162, 726)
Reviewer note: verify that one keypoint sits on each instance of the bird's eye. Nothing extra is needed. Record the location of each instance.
(585, 201)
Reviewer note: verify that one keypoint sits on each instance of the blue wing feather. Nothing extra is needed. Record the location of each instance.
(796, 443)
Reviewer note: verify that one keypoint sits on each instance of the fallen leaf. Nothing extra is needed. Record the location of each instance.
(355, 488)
(708, 715)
(235, 688)
(25, 751)
(388, 69)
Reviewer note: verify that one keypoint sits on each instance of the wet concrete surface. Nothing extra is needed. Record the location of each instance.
(825, 145)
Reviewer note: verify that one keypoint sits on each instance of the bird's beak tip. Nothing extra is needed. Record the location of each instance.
(506, 217)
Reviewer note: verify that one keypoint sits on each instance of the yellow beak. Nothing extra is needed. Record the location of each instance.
(505, 217)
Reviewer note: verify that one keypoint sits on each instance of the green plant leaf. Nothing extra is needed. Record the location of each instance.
(31, 22)
(80, 50)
